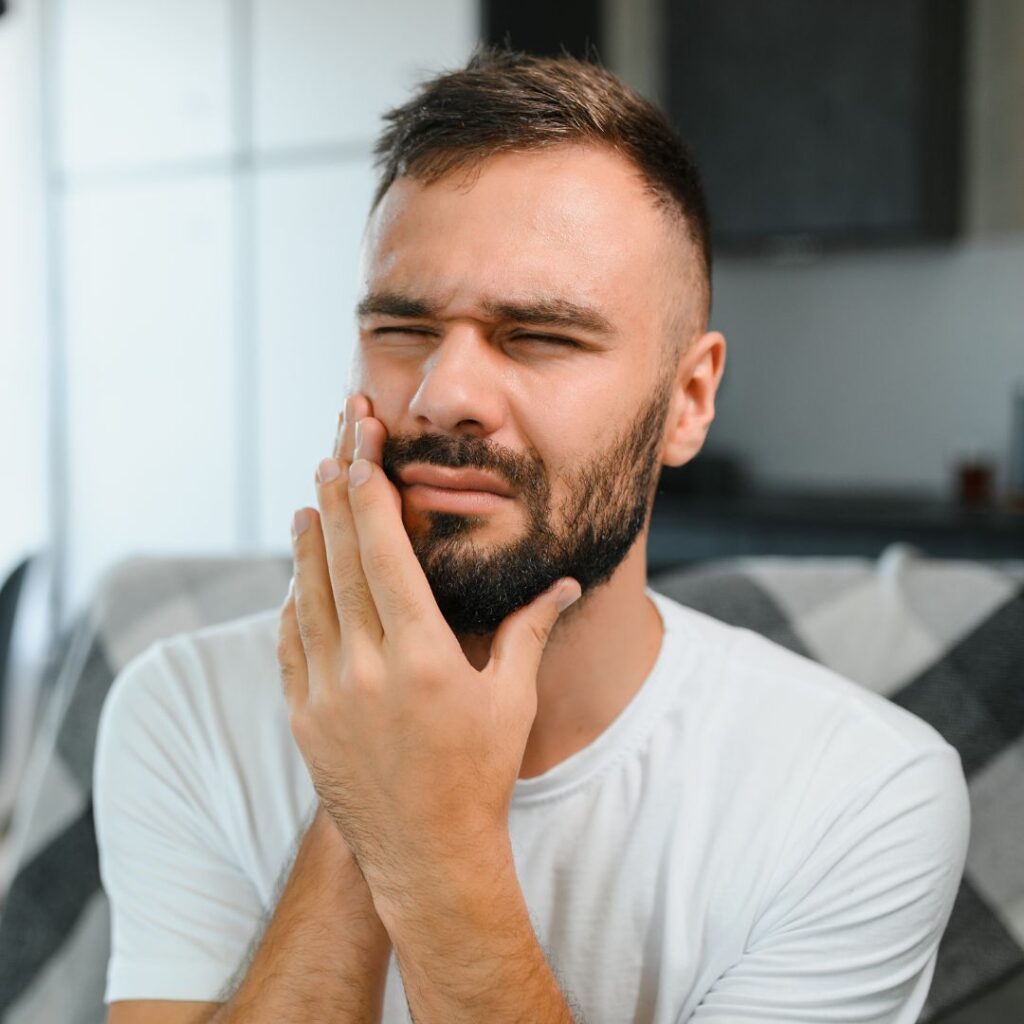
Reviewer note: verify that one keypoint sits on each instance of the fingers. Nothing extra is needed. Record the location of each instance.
(521, 639)
(336, 449)
(317, 619)
(291, 658)
(356, 407)
(399, 588)
(356, 612)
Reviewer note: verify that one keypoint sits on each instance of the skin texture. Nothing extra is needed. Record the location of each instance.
(413, 733)
(571, 223)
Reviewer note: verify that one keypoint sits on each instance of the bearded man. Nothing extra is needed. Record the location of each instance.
(475, 769)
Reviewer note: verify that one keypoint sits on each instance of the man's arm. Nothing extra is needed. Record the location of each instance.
(323, 956)
(467, 950)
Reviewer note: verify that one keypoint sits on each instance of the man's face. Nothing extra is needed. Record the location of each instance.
(514, 322)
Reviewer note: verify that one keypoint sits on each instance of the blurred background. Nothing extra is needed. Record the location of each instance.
(182, 190)
(183, 186)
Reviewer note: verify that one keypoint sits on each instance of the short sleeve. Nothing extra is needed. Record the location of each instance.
(182, 912)
(853, 933)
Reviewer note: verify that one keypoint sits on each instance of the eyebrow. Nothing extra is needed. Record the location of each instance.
(550, 312)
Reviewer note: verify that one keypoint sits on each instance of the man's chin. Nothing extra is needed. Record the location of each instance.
(477, 589)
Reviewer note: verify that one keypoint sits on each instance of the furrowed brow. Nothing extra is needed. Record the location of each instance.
(394, 304)
(552, 313)
(540, 313)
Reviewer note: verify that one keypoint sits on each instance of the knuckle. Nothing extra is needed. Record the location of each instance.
(310, 598)
(408, 606)
(350, 592)
(313, 634)
(540, 631)
(285, 648)
(381, 562)
(353, 604)
(301, 724)
(360, 674)
(420, 665)
(290, 679)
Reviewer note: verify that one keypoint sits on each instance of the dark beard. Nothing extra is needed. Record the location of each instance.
(608, 504)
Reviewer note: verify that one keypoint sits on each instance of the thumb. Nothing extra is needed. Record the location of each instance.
(520, 640)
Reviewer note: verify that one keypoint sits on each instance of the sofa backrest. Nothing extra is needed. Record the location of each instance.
(943, 638)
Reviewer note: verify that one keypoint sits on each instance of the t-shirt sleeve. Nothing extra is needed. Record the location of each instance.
(853, 933)
(182, 912)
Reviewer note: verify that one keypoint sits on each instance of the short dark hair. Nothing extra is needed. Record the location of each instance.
(506, 101)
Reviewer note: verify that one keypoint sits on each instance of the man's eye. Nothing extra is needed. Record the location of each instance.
(403, 330)
(554, 339)
(551, 339)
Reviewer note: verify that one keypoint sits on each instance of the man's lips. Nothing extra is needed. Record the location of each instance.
(453, 479)
(443, 489)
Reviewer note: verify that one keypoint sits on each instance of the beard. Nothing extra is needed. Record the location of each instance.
(608, 501)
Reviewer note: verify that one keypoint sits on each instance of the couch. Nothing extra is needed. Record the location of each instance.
(943, 638)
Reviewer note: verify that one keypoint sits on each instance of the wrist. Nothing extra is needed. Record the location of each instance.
(464, 891)
(340, 871)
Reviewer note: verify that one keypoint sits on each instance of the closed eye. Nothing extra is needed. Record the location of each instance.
(552, 338)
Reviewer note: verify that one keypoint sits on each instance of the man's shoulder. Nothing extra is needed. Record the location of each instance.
(798, 747)
(230, 664)
(766, 693)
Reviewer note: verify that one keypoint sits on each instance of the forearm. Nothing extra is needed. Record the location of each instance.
(324, 954)
(467, 950)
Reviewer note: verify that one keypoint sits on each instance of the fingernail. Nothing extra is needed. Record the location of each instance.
(567, 595)
(328, 470)
(301, 521)
(359, 438)
(359, 473)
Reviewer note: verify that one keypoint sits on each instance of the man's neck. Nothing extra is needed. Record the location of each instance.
(596, 660)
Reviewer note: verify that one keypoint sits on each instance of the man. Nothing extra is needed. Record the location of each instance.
(506, 801)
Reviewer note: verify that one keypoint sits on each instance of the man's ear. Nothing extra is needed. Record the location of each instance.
(693, 399)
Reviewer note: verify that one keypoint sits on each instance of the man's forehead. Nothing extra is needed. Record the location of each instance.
(554, 197)
(567, 227)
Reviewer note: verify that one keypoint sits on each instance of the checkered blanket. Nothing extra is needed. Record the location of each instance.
(945, 639)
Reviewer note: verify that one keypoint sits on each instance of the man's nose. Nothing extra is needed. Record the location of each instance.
(461, 390)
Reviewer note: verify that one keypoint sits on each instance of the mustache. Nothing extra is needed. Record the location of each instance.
(519, 471)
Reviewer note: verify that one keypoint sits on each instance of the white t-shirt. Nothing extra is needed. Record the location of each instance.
(753, 838)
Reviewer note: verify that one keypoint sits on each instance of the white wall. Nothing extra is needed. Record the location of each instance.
(877, 369)
(870, 369)
(24, 508)
(881, 369)
(214, 159)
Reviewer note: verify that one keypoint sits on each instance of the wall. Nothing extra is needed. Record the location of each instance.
(209, 177)
(877, 369)
(873, 370)
(882, 369)
(212, 179)
(24, 509)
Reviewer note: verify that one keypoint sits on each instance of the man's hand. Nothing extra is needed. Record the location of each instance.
(413, 752)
